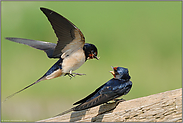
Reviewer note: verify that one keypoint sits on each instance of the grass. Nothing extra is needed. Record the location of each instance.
(144, 37)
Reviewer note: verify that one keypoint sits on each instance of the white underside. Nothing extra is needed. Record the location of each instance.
(73, 61)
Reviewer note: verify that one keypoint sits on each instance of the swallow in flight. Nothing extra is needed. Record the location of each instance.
(71, 49)
(114, 88)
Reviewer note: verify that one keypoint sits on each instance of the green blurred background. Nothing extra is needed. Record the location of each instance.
(144, 37)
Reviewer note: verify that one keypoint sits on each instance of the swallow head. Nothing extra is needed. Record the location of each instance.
(90, 51)
(120, 73)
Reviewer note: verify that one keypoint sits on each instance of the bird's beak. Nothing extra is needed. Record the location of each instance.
(96, 57)
(112, 72)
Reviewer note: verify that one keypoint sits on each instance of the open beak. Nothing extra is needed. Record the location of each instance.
(96, 57)
(112, 72)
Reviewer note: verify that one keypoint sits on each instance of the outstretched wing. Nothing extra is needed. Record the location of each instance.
(70, 38)
(45, 46)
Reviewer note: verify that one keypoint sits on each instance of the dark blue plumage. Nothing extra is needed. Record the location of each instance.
(116, 87)
(55, 67)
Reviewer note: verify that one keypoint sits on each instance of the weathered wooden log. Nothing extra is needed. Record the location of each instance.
(162, 107)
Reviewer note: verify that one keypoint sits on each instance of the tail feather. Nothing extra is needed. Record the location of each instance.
(65, 112)
(42, 78)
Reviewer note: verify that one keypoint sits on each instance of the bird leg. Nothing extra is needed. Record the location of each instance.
(74, 74)
(70, 74)
(119, 100)
(108, 103)
(80, 74)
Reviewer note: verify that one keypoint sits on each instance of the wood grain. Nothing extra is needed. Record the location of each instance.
(161, 107)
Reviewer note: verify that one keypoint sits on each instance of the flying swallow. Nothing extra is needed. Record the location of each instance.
(114, 88)
(71, 49)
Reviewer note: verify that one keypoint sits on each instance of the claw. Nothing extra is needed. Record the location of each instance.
(70, 74)
(119, 100)
(80, 74)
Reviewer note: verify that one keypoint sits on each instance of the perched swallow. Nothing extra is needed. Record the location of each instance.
(71, 48)
(114, 88)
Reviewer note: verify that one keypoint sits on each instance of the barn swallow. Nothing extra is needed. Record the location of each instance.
(71, 48)
(114, 88)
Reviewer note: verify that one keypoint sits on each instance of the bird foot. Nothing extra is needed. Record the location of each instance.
(119, 100)
(70, 75)
(74, 74)
(80, 74)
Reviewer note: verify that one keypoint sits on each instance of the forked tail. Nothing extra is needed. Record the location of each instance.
(65, 112)
(42, 78)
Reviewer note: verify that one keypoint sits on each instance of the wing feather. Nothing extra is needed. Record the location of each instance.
(89, 96)
(94, 102)
(41, 45)
(70, 38)
(102, 95)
